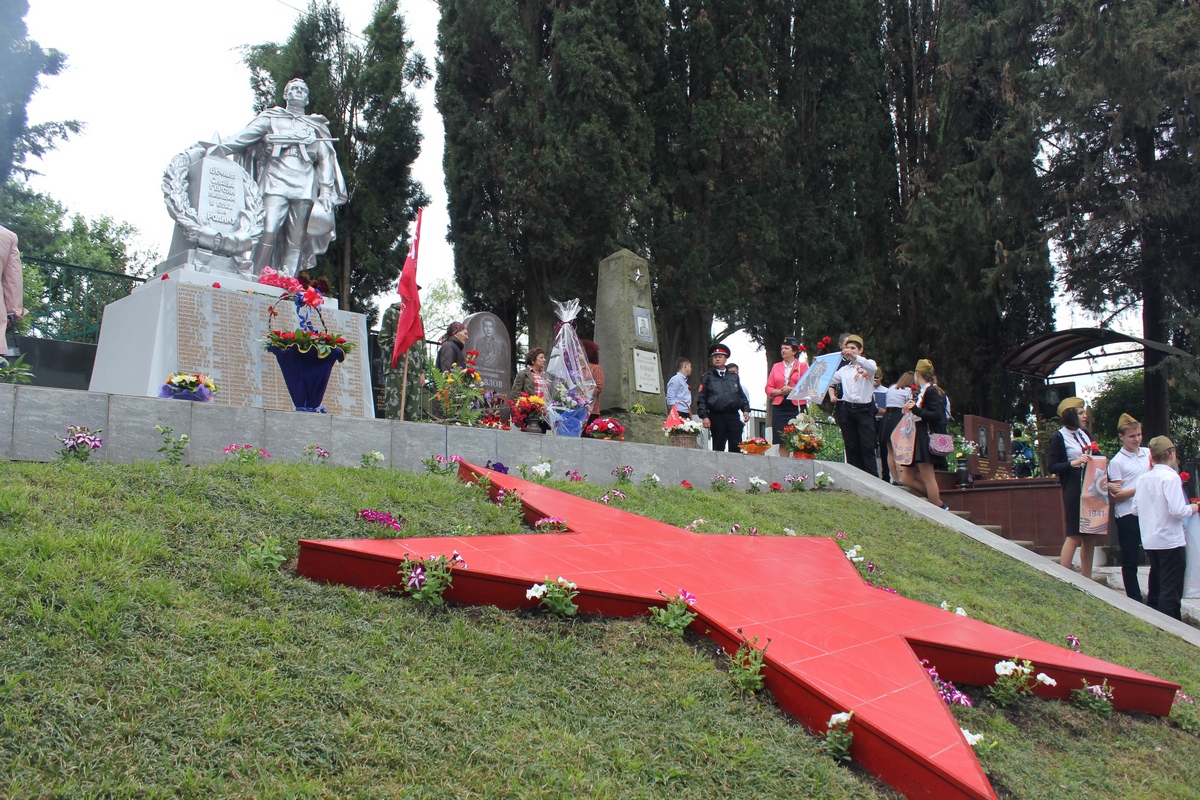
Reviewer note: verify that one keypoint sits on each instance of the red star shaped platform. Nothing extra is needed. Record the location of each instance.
(836, 644)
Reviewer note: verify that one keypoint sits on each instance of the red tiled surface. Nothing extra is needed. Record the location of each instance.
(835, 643)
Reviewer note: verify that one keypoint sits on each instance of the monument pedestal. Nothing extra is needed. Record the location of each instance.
(184, 324)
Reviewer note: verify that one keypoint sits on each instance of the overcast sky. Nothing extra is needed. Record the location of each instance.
(150, 77)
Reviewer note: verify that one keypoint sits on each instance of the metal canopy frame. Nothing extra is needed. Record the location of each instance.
(1040, 357)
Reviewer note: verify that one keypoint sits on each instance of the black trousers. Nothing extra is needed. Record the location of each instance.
(885, 471)
(1169, 565)
(726, 430)
(858, 434)
(1129, 536)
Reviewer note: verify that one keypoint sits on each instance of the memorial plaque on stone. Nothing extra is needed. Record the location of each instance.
(646, 373)
(220, 193)
(627, 336)
(993, 438)
(487, 334)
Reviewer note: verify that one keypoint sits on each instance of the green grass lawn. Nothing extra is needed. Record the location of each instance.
(141, 656)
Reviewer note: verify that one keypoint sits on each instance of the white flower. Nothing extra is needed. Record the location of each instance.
(757, 481)
(960, 611)
(972, 738)
(654, 478)
(541, 470)
(945, 606)
(857, 559)
(1022, 668)
(840, 719)
(1046, 679)
(1005, 667)
(537, 590)
(789, 531)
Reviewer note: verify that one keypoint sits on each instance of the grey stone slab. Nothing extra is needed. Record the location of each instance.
(642, 457)
(567, 454)
(698, 467)
(40, 414)
(664, 462)
(476, 445)
(412, 442)
(131, 435)
(287, 433)
(352, 437)
(8, 404)
(514, 448)
(215, 427)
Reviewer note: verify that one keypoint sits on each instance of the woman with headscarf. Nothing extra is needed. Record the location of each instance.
(1070, 451)
(785, 374)
(929, 407)
(451, 351)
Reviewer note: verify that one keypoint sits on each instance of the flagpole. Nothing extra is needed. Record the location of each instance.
(404, 385)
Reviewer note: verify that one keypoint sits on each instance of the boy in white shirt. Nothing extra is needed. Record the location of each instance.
(1162, 508)
(857, 379)
(1130, 463)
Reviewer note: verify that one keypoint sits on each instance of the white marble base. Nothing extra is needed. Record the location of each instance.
(185, 324)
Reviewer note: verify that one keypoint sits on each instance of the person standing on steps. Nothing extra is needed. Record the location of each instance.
(1130, 463)
(857, 380)
(720, 402)
(679, 394)
(1071, 449)
(1162, 508)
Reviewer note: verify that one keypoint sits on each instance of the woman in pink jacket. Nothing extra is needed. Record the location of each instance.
(784, 376)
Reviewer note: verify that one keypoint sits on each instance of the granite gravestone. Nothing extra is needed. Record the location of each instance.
(627, 336)
(487, 334)
(991, 460)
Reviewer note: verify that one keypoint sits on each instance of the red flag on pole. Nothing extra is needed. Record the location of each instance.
(409, 328)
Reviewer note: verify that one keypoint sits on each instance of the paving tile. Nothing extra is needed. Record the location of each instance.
(288, 433)
(215, 427)
(131, 435)
(353, 437)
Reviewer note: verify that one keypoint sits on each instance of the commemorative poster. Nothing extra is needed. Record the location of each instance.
(904, 439)
(815, 383)
(1093, 500)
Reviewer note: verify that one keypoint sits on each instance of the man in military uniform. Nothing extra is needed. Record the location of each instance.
(720, 399)
(290, 154)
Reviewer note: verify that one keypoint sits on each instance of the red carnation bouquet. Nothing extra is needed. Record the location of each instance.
(605, 428)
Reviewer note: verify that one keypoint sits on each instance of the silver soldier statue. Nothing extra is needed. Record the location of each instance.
(290, 155)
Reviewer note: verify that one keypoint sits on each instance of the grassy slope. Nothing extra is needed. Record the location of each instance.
(139, 659)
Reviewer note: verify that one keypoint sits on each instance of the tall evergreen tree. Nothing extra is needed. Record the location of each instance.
(970, 277)
(547, 145)
(363, 85)
(22, 63)
(1124, 177)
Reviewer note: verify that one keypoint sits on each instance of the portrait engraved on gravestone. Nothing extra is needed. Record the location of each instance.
(1001, 446)
(487, 334)
(982, 440)
(642, 328)
(646, 372)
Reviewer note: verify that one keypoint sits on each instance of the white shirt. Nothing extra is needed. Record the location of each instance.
(857, 379)
(896, 398)
(1127, 467)
(1161, 507)
(1075, 441)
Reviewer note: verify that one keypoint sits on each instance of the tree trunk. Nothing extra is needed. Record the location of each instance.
(685, 336)
(540, 319)
(1155, 389)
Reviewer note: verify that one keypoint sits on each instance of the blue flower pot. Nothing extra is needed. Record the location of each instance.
(201, 395)
(306, 375)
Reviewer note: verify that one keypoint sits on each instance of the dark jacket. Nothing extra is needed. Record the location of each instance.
(719, 395)
(450, 353)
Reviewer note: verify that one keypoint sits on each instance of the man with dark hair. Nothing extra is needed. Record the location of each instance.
(1162, 508)
(719, 400)
(679, 394)
(857, 379)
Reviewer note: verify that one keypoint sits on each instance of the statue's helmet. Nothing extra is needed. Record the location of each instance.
(320, 220)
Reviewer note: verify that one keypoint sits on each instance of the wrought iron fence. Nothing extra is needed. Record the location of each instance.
(71, 300)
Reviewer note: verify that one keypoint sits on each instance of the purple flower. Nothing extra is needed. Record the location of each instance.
(416, 577)
(839, 535)
(618, 494)
(870, 567)
(753, 531)
(498, 467)
(735, 528)
(1073, 641)
(687, 597)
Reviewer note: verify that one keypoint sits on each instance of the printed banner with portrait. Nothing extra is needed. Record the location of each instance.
(1093, 500)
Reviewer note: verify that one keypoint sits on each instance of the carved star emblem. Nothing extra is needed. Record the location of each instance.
(214, 147)
(836, 644)
(637, 275)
